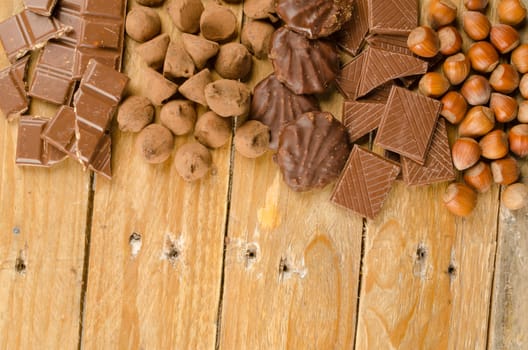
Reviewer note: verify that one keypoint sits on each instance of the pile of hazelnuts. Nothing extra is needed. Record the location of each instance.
(479, 93)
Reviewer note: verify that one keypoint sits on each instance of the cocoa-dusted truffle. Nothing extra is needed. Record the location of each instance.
(186, 14)
(312, 151)
(200, 49)
(135, 113)
(233, 61)
(218, 23)
(275, 105)
(194, 87)
(228, 98)
(155, 143)
(252, 139)
(211, 130)
(156, 87)
(260, 9)
(150, 3)
(315, 18)
(192, 161)
(178, 116)
(304, 66)
(178, 63)
(256, 36)
(153, 51)
(142, 24)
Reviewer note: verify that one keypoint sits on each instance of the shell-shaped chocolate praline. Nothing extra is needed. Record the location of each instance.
(312, 151)
(304, 66)
(274, 105)
(315, 18)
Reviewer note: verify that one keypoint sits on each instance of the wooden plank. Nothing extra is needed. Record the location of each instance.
(427, 276)
(160, 288)
(43, 224)
(508, 325)
(292, 260)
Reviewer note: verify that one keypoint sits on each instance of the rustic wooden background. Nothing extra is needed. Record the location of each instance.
(238, 261)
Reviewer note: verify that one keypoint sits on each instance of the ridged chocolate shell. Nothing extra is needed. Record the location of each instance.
(304, 66)
(312, 151)
(274, 105)
(315, 18)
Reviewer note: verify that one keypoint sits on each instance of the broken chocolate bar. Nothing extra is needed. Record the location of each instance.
(14, 101)
(32, 150)
(41, 7)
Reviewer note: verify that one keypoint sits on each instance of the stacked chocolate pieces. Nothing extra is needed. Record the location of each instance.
(79, 41)
(375, 85)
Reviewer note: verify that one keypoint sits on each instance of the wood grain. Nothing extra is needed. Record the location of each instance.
(162, 291)
(43, 225)
(292, 260)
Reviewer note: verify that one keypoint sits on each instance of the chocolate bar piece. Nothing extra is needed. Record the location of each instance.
(392, 16)
(365, 182)
(53, 77)
(408, 123)
(349, 77)
(360, 118)
(60, 131)
(352, 35)
(41, 7)
(32, 150)
(393, 43)
(438, 165)
(27, 31)
(13, 100)
(101, 163)
(95, 103)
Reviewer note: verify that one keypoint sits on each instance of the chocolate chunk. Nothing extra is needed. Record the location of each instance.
(408, 124)
(194, 87)
(186, 14)
(233, 61)
(312, 151)
(438, 165)
(275, 105)
(142, 24)
(352, 35)
(101, 164)
(393, 43)
(360, 118)
(218, 23)
(178, 63)
(392, 16)
(260, 9)
(41, 7)
(228, 98)
(153, 51)
(256, 36)
(349, 77)
(200, 49)
(14, 100)
(304, 66)
(316, 18)
(28, 31)
(31, 149)
(155, 87)
(365, 183)
(53, 77)
(60, 131)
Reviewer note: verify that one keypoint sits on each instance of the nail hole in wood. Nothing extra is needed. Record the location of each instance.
(20, 265)
(16, 230)
(283, 266)
(171, 252)
(451, 270)
(421, 252)
(135, 244)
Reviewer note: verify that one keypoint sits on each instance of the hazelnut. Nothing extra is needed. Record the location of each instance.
(523, 86)
(522, 114)
(494, 145)
(233, 61)
(515, 196)
(476, 90)
(459, 199)
(475, 5)
(476, 25)
(504, 37)
(479, 121)
(142, 24)
(511, 12)
(433, 84)
(185, 14)
(178, 116)
(256, 36)
(423, 41)
(442, 12)
(456, 68)
(518, 137)
(212, 131)
(504, 107)
(454, 107)
(479, 177)
(505, 171)
(519, 58)
(465, 153)
(504, 78)
(135, 113)
(228, 98)
(252, 139)
(483, 56)
(192, 161)
(218, 23)
(450, 40)
(155, 143)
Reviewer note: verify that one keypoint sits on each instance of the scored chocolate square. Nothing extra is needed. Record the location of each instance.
(14, 100)
(438, 165)
(365, 182)
(352, 35)
(360, 117)
(349, 77)
(31, 149)
(408, 123)
(392, 16)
